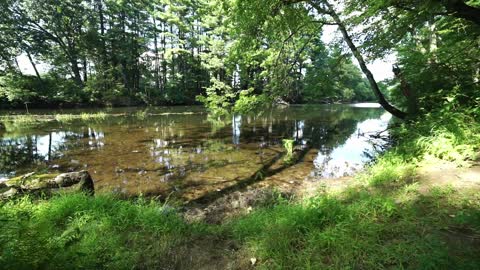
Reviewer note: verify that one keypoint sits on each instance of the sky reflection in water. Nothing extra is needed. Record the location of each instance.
(168, 150)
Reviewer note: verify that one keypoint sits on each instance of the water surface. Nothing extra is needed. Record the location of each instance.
(180, 149)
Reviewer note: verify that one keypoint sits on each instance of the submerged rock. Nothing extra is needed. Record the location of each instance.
(33, 183)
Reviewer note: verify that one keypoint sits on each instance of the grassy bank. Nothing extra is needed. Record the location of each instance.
(81, 232)
(388, 219)
(27, 119)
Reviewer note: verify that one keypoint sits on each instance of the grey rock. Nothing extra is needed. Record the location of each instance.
(33, 183)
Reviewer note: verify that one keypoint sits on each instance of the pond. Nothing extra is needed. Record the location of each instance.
(160, 150)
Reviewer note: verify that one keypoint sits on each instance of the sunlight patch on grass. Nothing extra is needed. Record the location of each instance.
(78, 231)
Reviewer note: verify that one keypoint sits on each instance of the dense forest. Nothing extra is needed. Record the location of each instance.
(252, 180)
(159, 52)
(174, 52)
(171, 52)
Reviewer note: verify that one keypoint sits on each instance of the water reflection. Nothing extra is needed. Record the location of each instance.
(162, 152)
(350, 156)
(236, 128)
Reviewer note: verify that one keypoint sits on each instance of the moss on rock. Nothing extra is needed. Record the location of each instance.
(47, 183)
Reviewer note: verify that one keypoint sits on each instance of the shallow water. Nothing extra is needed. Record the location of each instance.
(180, 150)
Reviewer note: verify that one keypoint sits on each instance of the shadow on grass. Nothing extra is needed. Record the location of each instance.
(366, 230)
(362, 228)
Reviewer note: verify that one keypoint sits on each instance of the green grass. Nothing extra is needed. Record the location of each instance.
(363, 230)
(384, 222)
(448, 135)
(83, 116)
(25, 119)
(390, 169)
(82, 232)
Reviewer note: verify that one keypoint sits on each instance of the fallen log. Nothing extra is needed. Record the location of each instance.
(33, 183)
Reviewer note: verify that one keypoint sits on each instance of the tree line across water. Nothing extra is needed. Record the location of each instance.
(238, 53)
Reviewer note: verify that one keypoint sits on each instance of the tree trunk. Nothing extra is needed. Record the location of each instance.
(157, 65)
(85, 70)
(459, 9)
(18, 66)
(406, 90)
(123, 62)
(49, 147)
(33, 65)
(172, 66)
(103, 59)
(363, 66)
(76, 71)
(164, 61)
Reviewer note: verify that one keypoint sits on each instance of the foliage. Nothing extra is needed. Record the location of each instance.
(248, 102)
(332, 77)
(434, 44)
(49, 90)
(17, 88)
(218, 98)
(97, 95)
(288, 145)
(78, 231)
(125, 53)
(82, 116)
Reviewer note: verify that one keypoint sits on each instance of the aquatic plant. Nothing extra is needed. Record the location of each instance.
(14, 124)
(141, 114)
(288, 145)
(82, 116)
(94, 116)
(24, 119)
(65, 117)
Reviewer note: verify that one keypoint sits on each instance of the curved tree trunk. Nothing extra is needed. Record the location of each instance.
(406, 90)
(33, 65)
(76, 71)
(361, 61)
(460, 9)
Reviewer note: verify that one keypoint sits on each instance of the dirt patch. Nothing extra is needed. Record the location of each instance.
(443, 173)
(233, 204)
(211, 254)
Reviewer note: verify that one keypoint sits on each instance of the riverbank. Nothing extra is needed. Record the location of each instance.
(406, 222)
(417, 207)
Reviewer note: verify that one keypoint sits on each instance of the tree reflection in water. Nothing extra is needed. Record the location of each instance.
(164, 151)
